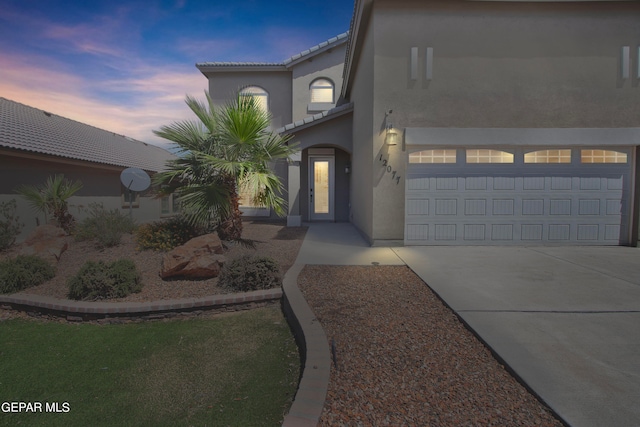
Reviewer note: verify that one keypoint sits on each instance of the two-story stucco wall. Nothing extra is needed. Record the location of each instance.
(494, 65)
(328, 65)
(364, 129)
(224, 85)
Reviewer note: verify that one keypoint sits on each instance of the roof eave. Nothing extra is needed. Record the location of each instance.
(317, 119)
(224, 68)
(362, 8)
(317, 50)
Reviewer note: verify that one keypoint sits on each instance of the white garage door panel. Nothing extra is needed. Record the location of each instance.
(566, 204)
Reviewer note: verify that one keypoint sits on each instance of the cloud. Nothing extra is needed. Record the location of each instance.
(103, 36)
(152, 99)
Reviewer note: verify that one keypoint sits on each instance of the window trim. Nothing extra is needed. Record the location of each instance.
(605, 153)
(172, 204)
(259, 92)
(314, 85)
(560, 156)
(446, 157)
(124, 202)
(490, 154)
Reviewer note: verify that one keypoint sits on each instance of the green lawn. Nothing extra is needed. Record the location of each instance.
(238, 370)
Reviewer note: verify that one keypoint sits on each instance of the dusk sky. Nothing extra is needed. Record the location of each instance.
(126, 65)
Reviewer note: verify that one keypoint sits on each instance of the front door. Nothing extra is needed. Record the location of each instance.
(321, 188)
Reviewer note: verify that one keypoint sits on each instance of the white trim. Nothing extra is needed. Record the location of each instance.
(552, 137)
(326, 154)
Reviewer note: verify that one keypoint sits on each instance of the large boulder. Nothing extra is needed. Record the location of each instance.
(199, 258)
(46, 241)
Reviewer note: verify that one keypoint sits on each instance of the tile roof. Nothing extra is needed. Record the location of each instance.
(321, 47)
(317, 118)
(339, 39)
(30, 129)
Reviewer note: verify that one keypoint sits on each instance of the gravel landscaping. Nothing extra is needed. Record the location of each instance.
(274, 240)
(403, 358)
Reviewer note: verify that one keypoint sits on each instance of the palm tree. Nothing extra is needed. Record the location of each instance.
(51, 199)
(226, 151)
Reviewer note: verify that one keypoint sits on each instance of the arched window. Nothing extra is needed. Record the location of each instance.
(261, 96)
(488, 156)
(548, 156)
(433, 156)
(602, 156)
(322, 91)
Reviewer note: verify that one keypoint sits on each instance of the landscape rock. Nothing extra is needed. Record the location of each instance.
(199, 258)
(46, 241)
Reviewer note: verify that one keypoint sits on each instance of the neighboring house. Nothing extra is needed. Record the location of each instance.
(35, 144)
(463, 122)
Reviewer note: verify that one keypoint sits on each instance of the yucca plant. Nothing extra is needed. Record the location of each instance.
(228, 149)
(51, 198)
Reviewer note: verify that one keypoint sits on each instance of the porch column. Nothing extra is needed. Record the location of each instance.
(294, 219)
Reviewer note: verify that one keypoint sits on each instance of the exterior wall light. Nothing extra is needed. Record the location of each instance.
(347, 168)
(391, 138)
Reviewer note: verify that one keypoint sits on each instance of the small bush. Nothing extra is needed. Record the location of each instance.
(98, 280)
(250, 273)
(166, 235)
(24, 272)
(10, 225)
(106, 227)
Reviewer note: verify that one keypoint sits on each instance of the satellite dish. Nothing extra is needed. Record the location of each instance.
(135, 179)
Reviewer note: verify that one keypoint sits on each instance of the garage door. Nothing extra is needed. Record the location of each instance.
(517, 196)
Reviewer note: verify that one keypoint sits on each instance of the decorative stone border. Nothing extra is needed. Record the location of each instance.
(306, 408)
(77, 311)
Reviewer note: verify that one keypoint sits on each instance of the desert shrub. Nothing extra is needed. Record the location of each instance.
(23, 272)
(167, 234)
(99, 280)
(10, 225)
(51, 198)
(250, 273)
(106, 227)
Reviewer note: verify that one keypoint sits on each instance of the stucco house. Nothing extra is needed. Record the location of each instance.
(462, 122)
(35, 144)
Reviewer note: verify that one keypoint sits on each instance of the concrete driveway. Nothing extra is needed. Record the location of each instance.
(565, 319)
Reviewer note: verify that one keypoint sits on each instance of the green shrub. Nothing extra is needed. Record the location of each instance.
(10, 226)
(250, 273)
(166, 235)
(99, 280)
(106, 227)
(23, 272)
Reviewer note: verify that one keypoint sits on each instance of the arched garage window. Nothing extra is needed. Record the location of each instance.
(433, 156)
(322, 91)
(260, 95)
(602, 156)
(548, 156)
(488, 156)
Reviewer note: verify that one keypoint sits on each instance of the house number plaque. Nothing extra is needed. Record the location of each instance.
(389, 169)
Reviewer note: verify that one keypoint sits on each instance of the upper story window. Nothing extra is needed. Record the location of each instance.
(260, 95)
(322, 91)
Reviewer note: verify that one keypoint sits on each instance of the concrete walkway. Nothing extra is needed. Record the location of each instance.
(566, 320)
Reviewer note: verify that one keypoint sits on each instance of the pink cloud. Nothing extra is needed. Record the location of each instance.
(158, 93)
